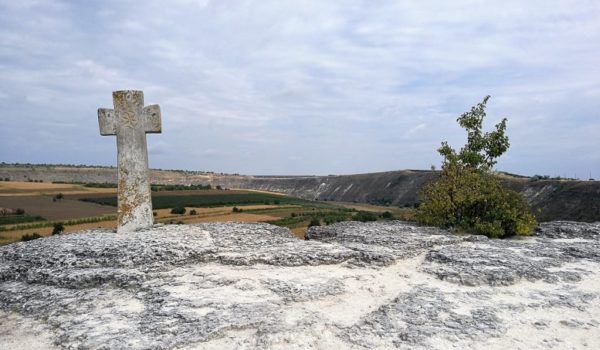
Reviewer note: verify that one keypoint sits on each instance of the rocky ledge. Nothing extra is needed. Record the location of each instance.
(349, 286)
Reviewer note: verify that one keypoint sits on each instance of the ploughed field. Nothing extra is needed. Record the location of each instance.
(28, 208)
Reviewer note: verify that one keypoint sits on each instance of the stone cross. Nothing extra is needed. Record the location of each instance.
(130, 121)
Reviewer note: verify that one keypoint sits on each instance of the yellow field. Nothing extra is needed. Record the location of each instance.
(215, 215)
(16, 188)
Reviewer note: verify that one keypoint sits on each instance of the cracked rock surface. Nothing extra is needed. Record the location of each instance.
(349, 286)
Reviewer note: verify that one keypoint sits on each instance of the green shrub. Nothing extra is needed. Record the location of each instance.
(364, 216)
(476, 202)
(178, 210)
(57, 228)
(237, 210)
(314, 222)
(193, 212)
(19, 211)
(467, 195)
(386, 215)
(30, 237)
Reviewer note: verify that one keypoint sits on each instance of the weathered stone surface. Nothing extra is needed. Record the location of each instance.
(130, 121)
(353, 285)
(383, 242)
(506, 262)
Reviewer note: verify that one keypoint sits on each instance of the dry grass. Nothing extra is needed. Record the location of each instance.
(261, 191)
(163, 216)
(215, 215)
(406, 214)
(241, 217)
(17, 188)
(299, 232)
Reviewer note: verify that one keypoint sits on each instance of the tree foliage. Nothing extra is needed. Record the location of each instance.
(314, 222)
(57, 228)
(467, 195)
(178, 210)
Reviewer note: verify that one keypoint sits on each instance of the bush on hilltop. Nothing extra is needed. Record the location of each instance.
(467, 195)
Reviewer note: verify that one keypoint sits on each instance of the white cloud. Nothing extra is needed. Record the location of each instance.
(266, 84)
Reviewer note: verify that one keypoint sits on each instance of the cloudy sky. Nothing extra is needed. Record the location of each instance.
(303, 87)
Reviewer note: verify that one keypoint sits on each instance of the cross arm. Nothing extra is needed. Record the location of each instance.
(107, 119)
(152, 122)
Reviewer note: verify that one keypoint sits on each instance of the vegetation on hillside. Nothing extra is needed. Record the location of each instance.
(467, 195)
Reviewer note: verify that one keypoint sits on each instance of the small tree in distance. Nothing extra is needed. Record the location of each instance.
(58, 227)
(467, 195)
(178, 210)
(314, 222)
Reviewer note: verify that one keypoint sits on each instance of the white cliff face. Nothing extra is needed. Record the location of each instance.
(352, 285)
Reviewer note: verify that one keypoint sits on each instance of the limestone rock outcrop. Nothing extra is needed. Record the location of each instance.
(350, 285)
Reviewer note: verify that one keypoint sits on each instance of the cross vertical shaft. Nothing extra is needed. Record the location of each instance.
(130, 121)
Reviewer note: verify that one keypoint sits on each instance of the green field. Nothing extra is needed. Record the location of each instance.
(208, 200)
(18, 219)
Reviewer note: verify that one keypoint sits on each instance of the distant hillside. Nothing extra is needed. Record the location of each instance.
(551, 199)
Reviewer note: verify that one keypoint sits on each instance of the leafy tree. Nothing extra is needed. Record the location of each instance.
(467, 195)
(58, 228)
